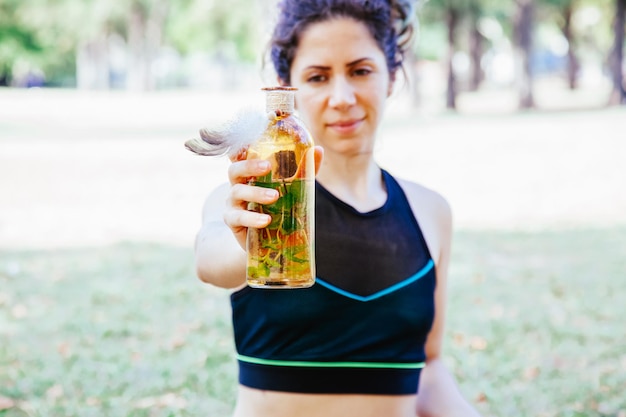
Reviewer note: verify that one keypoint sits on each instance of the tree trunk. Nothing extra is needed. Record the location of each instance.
(618, 95)
(144, 40)
(453, 21)
(572, 59)
(523, 38)
(138, 71)
(92, 64)
(476, 50)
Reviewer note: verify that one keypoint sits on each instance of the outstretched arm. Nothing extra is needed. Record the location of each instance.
(221, 241)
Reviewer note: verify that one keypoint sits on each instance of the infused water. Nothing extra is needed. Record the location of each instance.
(281, 255)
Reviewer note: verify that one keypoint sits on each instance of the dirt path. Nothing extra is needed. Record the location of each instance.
(93, 168)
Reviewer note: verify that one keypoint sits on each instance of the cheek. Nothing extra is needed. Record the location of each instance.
(382, 95)
(307, 106)
(377, 102)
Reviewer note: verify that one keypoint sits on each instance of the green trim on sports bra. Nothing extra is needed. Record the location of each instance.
(312, 364)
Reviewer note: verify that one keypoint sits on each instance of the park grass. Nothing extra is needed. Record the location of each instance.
(536, 322)
(535, 328)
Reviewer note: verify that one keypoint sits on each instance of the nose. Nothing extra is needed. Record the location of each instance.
(342, 94)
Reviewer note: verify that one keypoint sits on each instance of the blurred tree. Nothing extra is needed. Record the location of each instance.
(453, 17)
(224, 34)
(476, 47)
(524, 19)
(116, 43)
(145, 20)
(479, 11)
(138, 23)
(430, 45)
(618, 95)
(30, 44)
(72, 42)
(572, 59)
(201, 25)
(450, 11)
(462, 17)
(94, 22)
(562, 12)
(16, 39)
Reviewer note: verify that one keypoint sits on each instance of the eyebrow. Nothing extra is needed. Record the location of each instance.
(348, 65)
(357, 62)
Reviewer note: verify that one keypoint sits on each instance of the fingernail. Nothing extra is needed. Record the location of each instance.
(264, 165)
(264, 220)
(270, 193)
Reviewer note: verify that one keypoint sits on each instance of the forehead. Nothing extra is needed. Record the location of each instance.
(335, 41)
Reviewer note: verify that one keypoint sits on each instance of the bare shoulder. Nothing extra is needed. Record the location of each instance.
(427, 201)
(433, 213)
(427, 198)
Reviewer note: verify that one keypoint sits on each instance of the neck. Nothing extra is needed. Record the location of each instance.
(357, 181)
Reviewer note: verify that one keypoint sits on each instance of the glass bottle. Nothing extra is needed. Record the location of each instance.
(281, 255)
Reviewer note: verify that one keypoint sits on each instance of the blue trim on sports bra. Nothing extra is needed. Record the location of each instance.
(381, 293)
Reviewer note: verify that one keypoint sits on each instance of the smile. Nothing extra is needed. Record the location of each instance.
(346, 126)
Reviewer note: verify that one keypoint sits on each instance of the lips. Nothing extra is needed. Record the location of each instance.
(345, 126)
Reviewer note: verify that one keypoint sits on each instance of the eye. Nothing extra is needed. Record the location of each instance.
(316, 78)
(360, 72)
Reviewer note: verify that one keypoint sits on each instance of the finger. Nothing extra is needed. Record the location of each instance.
(236, 219)
(241, 194)
(241, 171)
(240, 155)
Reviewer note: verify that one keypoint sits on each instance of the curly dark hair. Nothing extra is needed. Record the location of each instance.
(389, 22)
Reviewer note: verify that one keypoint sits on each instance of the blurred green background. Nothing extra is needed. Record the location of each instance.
(510, 109)
(159, 44)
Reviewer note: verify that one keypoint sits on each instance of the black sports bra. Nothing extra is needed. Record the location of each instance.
(363, 325)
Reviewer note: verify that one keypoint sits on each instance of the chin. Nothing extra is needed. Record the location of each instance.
(354, 148)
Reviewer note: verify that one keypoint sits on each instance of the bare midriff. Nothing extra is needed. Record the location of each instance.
(259, 403)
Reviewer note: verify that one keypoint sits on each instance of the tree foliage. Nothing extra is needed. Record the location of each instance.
(452, 27)
(46, 34)
(53, 35)
(209, 25)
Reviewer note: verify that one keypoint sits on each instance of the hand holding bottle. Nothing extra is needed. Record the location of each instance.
(236, 215)
(271, 204)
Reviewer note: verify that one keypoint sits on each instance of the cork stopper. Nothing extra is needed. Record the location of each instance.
(279, 98)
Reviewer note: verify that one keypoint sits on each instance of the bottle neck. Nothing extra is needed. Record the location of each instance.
(279, 100)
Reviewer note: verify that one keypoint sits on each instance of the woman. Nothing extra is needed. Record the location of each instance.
(366, 339)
